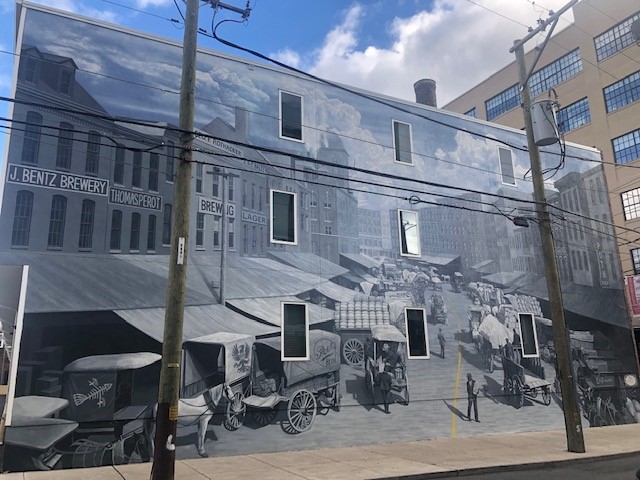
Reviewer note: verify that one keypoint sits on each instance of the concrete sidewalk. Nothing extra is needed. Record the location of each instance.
(411, 460)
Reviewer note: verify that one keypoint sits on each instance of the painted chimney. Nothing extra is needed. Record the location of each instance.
(426, 92)
(242, 122)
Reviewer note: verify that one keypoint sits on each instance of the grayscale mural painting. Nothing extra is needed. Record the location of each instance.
(411, 290)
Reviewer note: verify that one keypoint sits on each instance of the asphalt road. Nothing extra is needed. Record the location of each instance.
(619, 469)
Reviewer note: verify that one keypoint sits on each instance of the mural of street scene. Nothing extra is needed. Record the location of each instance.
(87, 204)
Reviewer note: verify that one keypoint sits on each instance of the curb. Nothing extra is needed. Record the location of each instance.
(464, 472)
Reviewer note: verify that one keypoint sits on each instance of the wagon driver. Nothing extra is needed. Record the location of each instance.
(387, 363)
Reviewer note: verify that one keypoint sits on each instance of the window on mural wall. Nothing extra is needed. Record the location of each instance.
(295, 331)
(631, 204)
(85, 238)
(635, 258)
(409, 233)
(290, 116)
(416, 330)
(283, 217)
(506, 166)
(528, 335)
(402, 142)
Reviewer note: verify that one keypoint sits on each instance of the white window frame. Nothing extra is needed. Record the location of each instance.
(426, 334)
(513, 167)
(535, 335)
(393, 141)
(301, 140)
(295, 217)
(306, 322)
(410, 255)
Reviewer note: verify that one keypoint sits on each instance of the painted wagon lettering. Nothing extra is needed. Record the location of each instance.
(325, 352)
(96, 392)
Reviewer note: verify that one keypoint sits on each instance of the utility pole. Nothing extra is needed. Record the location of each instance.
(167, 416)
(572, 420)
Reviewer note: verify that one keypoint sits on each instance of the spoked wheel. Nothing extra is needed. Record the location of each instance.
(506, 388)
(546, 396)
(236, 410)
(518, 391)
(353, 352)
(264, 417)
(302, 410)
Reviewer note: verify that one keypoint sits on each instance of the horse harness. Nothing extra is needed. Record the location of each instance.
(208, 400)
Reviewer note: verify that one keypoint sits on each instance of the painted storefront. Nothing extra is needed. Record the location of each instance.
(87, 204)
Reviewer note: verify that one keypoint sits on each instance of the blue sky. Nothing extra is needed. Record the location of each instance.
(380, 45)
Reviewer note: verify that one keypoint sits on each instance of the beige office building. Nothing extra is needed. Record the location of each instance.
(594, 67)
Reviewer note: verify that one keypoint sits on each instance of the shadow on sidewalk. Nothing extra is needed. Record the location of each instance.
(455, 411)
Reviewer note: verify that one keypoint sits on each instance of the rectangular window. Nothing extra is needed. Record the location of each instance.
(503, 102)
(216, 231)
(232, 233)
(118, 168)
(291, 115)
(200, 230)
(416, 330)
(244, 193)
(528, 335)
(166, 225)
(154, 165)
(215, 185)
(626, 148)
(260, 196)
(31, 143)
(555, 73)
(631, 204)
(622, 93)
(136, 176)
(471, 113)
(65, 81)
(65, 146)
(327, 199)
(56, 221)
(116, 230)
(31, 70)
(506, 166)
(85, 240)
(198, 178)
(409, 233)
(283, 217)
(231, 189)
(22, 219)
(616, 38)
(635, 258)
(171, 164)
(93, 153)
(253, 196)
(402, 142)
(151, 234)
(134, 237)
(573, 116)
(295, 331)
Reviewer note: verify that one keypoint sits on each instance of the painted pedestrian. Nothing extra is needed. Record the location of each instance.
(442, 341)
(472, 397)
(386, 364)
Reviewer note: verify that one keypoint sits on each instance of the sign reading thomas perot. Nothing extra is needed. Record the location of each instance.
(120, 196)
(40, 177)
(212, 206)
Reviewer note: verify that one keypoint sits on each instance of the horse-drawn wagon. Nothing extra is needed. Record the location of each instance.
(520, 382)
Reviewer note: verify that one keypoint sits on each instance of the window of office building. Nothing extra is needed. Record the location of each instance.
(92, 164)
(253, 196)
(136, 176)
(22, 219)
(626, 148)
(85, 239)
(471, 113)
(171, 164)
(616, 38)
(151, 234)
(66, 78)
(555, 73)
(31, 70)
(623, 92)
(166, 225)
(503, 102)
(291, 114)
(402, 142)
(216, 231)
(416, 331)
(409, 233)
(232, 233)
(116, 230)
(56, 221)
(154, 165)
(573, 116)
(506, 166)
(198, 178)
(65, 146)
(244, 193)
(134, 234)
(295, 331)
(200, 230)
(631, 204)
(31, 143)
(231, 189)
(283, 217)
(635, 258)
(528, 335)
(215, 184)
(118, 167)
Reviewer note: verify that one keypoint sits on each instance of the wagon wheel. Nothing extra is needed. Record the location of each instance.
(506, 387)
(533, 393)
(236, 410)
(263, 417)
(353, 352)
(546, 395)
(302, 410)
(518, 391)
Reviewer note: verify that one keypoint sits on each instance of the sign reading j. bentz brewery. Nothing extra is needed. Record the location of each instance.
(40, 177)
(120, 196)
(212, 206)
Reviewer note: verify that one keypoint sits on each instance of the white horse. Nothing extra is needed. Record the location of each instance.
(190, 411)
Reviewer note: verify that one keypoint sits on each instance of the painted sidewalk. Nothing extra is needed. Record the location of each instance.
(410, 460)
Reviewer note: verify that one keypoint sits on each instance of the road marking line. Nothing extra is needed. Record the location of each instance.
(455, 392)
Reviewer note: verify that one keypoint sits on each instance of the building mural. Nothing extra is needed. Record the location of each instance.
(87, 203)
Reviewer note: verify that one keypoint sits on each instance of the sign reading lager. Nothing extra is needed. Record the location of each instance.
(254, 218)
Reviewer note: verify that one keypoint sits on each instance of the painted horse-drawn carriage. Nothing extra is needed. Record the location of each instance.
(525, 379)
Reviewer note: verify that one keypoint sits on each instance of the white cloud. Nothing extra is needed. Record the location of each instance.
(152, 3)
(82, 9)
(456, 43)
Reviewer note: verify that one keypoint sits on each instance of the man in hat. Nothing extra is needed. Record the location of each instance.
(441, 341)
(387, 364)
(472, 397)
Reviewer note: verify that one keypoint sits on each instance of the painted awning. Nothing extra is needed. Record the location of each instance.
(268, 310)
(363, 260)
(486, 267)
(335, 292)
(310, 263)
(441, 260)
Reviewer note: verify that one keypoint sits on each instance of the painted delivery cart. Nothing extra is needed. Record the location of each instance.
(494, 336)
(302, 386)
(525, 380)
(390, 335)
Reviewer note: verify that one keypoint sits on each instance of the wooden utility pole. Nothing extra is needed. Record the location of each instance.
(572, 419)
(167, 416)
